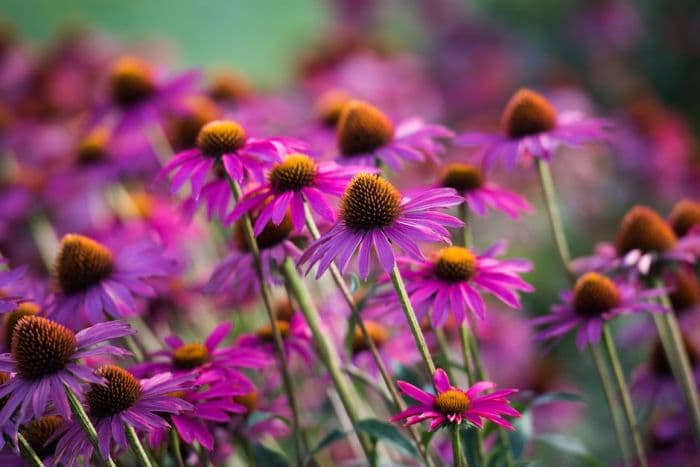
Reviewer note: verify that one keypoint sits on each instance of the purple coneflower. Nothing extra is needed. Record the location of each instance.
(533, 128)
(374, 214)
(366, 135)
(479, 193)
(296, 179)
(209, 361)
(117, 399)
(296, 338)
(224, 143)
(452, 405)
(45, 358)
(94, 280)
(454, 278)
(644, 240)
(594, 300)
(685, 218)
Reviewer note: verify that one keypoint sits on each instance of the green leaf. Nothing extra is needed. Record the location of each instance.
(383, 431)
(521, 435)
(333, 436)
(269, 457)
(549, 397)
(470, 443)
(568, 445)
(427, 437)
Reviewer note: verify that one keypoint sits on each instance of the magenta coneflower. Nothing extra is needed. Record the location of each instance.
(224, 145)
(140, 95)
(644, 240)
(209, 361)
(45, 357)
(296, 338)
(214, 404)
(533, 128)
(479, 193)
(119, 399)
(454, 278)
(296, 179)
(366, 135)
(9, 279)
(452, 405)
(373, 214)
(594, 300)
(94, 280)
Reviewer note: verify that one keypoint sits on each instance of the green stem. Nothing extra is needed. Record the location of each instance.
(458, 458)
(555, 221)
(467, 239)
(136, 446)
(677, 355)
(443, 346)
(276, 335)
(86, 425)
(624, 396)
(466, 353)
(398, 402)
(609, 392)
(29, 455)
(326, 351)
(412, 320)
(175, 445)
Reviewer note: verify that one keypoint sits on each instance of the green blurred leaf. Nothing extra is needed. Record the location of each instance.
(522, 434)
(568, 445)
(549, 397)
(383, 431)
(470, 445)
(269, 457)
(330, 438)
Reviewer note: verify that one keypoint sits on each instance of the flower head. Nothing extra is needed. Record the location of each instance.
(470, 181)
(45, 356)
(9, 280)
(295, 333)
(452, 405)
(594, 300)
(373, 214)
(224, 142)
(531, 127)
(119, 398)
(365, 135)
(94, 280)
(454, 278)
(685, 217)
(295, 180)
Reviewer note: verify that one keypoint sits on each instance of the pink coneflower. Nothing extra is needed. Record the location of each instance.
(296, 179)
(209, 361)
(211, 405)
(454, 278)
(94, 280)
(452, 405)
(533, 128)
(479, 193)
(594, 300)
(644, 240)
(224, 143)
(45, 357)
(119, 399)
(373, 214)
(139, 95)
(685, 218)
(9, 280)
(296, 338)
(366, 135)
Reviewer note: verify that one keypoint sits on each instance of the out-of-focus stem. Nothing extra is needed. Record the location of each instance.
(624, 396)
(175, 445)
(457, 455)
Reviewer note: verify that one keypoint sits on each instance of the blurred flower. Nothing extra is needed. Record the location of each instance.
(9, 279)
(452, 405)
(373, 212)
(296, 338)
(533, 128)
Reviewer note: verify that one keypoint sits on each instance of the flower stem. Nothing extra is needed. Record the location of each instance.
(624, 395)
(444, 347)
(609, 392)
(457, 455)
(276, 335)
(466, 353)
(175, 445)
(86, 425)
(677, 355)
(29, 455)
(555, 221)
(412, 320)
(355, 313)
(326, 351)
(136, 446)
